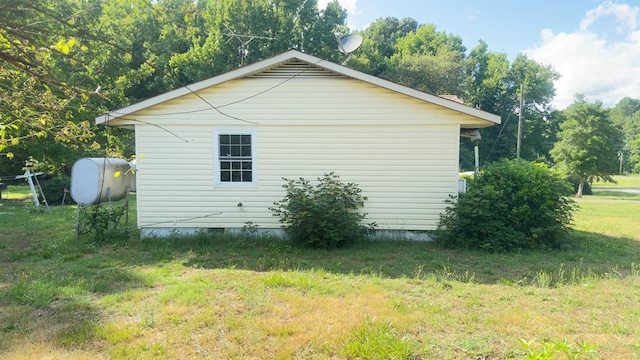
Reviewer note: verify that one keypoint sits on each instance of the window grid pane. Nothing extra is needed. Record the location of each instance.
(235, 158)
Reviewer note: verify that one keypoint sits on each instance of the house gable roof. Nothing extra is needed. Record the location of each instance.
(282, 58)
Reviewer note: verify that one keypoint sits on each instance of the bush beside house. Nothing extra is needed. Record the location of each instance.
(322, 216)
(513, 204)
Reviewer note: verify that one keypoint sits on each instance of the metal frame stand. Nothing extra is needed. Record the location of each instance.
(29, 176)
(82, 211)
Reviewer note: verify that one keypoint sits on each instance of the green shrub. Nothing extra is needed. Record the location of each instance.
(104, 225)
(324, 216)
(513, 204)
(54, 190)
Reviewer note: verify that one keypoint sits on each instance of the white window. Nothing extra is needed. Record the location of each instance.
(235, 157)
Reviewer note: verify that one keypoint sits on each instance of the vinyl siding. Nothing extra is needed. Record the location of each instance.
(300, 101)
(401, 151)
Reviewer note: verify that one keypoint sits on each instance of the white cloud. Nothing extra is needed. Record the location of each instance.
(589, 63)
(625, 14)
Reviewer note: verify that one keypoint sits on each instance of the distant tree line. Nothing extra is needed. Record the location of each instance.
(55, 54)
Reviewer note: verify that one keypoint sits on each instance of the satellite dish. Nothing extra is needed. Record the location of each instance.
(348, 45)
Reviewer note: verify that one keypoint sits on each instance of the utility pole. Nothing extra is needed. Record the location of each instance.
(518, 145)
(621, 161)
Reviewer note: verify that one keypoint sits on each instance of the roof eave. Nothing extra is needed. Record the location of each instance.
(437, 100)
(192, 88)
(286, 56)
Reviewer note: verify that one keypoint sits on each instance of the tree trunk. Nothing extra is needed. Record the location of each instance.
(580, 187)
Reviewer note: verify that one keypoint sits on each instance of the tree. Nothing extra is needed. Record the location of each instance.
(379, 44)
(626, 117)
(587, 146)
(439, 74)
(321, 35)
(428, 60)
(538, 126)
(427, 40)
(493, 84)
(635, 153)
(42, 43)
(54, 53)
(485, 82)
(202, 39)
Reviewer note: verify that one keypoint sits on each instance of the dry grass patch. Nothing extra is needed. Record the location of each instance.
(29, 350)
(314, 321)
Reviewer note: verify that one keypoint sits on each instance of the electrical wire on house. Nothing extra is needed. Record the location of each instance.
(180, 221)
(155, 11)
(151, 124)
(115, 112)
(274, 86)
(217, 108)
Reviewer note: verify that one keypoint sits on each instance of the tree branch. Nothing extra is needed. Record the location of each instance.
(28, 69)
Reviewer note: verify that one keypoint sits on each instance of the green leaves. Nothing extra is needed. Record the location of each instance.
(558, 349)
(587, 146)
(64, 45)
(626, 117)
(514, 204)
(324, 215)
(40, 64)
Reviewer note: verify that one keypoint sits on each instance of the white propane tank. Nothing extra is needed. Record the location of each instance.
(94, 180)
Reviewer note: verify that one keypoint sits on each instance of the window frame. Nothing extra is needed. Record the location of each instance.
(217, 168)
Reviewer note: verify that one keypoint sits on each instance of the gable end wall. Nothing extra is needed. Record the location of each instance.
(402, 152)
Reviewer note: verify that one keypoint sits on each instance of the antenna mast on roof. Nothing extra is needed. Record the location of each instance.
(244, 41)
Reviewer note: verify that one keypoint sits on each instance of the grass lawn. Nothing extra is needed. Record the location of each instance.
(622, 181)
(221, 297)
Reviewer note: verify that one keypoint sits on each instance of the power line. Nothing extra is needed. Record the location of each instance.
(497, 138)
(114, 112)
(148, 123)
(154, 11)
(212, 107)
(215, 108)
(274, 86)
(182, 220)
(243, 42)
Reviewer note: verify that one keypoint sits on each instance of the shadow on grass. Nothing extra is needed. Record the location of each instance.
(585, 255)
(55, 288)
(617, 194)
(49, 280)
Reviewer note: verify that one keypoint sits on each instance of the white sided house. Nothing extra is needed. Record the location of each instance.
(213, 155)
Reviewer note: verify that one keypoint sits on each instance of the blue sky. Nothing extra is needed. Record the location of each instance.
(594, 44)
